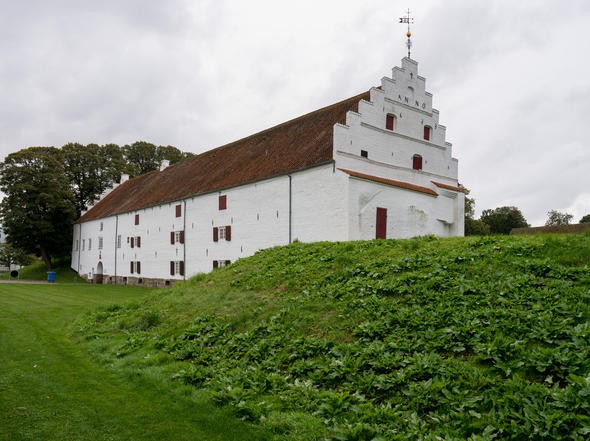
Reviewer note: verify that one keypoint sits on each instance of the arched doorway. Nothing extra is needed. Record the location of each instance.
(98, 274)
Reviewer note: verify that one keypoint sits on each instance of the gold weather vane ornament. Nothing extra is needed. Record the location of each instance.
(407, 19)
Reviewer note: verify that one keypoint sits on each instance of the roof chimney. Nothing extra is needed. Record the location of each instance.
(164, 164)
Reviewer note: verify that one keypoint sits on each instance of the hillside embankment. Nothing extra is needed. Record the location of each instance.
(475, 338)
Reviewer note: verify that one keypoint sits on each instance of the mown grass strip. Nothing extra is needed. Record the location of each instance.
(51, 389)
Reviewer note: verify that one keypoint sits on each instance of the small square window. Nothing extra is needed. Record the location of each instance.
(364, 154)
(223, 202)
(137, 219)
(178, 210)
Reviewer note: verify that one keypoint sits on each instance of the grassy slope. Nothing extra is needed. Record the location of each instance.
(476, 338)
(38, 272)
(51, 389)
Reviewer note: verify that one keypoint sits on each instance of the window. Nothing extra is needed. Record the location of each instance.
(135, 267)
(220, 263)
(178, 210)
(89, 244)
(417, 162)
(119, 241)
(177, 267)
(390, 122)
(222, 233)
(101, 226)
(83, 244)
(223, 202)
(137, 219)
(427, 130)
(176, 237)
(100, 243)
(138, 242)
(364, 154)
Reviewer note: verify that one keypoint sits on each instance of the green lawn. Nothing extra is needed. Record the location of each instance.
(51, 389)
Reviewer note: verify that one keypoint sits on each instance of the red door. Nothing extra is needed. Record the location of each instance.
(381, 223)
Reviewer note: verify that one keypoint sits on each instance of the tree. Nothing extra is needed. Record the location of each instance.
(91, 170)
(141, 158)
(38, 209)
(555, 217)
(144, 157)
(503, 219)
(10, 255)
(476, 227)
(585, 219)
(473, 227)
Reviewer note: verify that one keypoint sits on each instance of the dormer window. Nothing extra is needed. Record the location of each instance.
(417, 162)
(390, 122)
(427, 132)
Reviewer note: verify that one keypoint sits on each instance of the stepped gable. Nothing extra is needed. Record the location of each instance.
(294, 145)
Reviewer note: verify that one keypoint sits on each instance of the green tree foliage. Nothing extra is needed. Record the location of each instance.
(476, 227)
(90, 170)
(585, 219)
(503, 219)
(38, 209)
(11, 255)
(473, 227)
(555, 217)
(143, 157)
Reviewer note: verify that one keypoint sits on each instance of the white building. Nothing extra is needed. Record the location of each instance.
(376, 165)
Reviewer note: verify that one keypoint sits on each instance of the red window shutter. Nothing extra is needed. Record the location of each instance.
(417, 162)
(381, 223)
(132, 242)
(171, 267)
(172, 237)
(228, 232)
(215, 264)
(138, 267)
(131, 267)
(215, 234)
(181, 267)
(427, 133)
(137, 219)
(178, 210)
(223, 202)
(389, 122)
(138, 242)
(182, 236)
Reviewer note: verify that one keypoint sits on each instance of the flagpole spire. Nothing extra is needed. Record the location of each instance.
(407, 19)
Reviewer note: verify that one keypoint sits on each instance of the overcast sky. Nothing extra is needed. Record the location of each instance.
(511, 79)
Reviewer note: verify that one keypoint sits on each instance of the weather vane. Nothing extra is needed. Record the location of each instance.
(407, 19)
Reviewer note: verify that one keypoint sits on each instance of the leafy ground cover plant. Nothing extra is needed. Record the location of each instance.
(467, 338)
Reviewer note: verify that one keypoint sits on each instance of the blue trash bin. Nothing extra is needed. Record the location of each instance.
(51, 276)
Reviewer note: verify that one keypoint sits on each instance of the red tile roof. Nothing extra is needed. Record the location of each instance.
(294, 145)
(400, 184)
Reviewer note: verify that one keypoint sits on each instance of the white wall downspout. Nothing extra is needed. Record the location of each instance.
(290, 206)
(185, 239)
